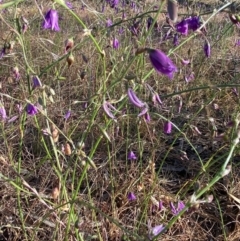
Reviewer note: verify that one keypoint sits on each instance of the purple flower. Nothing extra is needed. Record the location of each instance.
(134, 99)
(3, 113)
(182, 27)
(108, 108)
(237, 43)
(36, 82)
(132, 156)
(189, 77)
(207, 49)
(113, 3)
(147, 117)
(115, 43)
(175, 40)
(51, 20)
(155, 231)
(191, 23)
(162, 63)
(109, 23)
(69, 4)
(234, 91)
(179, 208)
(167, 129)
(31, 109)
(156, 99)
(3, 52)
(67, 115)
(149, 22)
(131, 196)
(138, 103)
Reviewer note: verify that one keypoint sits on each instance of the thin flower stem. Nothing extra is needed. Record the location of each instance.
(84, 26)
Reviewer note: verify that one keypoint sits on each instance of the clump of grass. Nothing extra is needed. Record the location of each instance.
(97, 144)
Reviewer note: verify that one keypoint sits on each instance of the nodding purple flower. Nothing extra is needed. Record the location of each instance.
(51, 20)
(134, 99)
(191, 23)
(155, 231)
(121, 30)
(237, 43)
(115, 43)
(185, 62)
(207, 49)
(147, 117)
(31, 109)
(113, 3)
(3, 113)
(3, 52)
(109, 108)
(36, 82)
(69, 5)
(162, 63)
(109, 23)
(182, 27)
(149, 22)
(167, 128)
(179, 208)
(131, 196)
(189, 77)
(156, 99)
(234, 91)
(138, 103)
(132, 156)
(175, 40)
(67, 115)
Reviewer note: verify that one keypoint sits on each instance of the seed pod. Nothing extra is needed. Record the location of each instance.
(172, 7)
(55, 133)
(68, 44)
(70, 60)
(67, 149)
(55, 193)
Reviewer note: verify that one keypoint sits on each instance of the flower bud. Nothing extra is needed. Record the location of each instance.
(70, 60)
(68, 44)
(172, 7)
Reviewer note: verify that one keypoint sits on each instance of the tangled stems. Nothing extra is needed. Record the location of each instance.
(62, 3)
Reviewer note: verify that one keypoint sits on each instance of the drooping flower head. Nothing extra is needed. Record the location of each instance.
(131, 196)
(207, 49)
(69, 5)
(180, 207)
(155, 231)
(162, 63)
(51, 20)
(67, 115)
(115, 43)
(36, 82)
(31, 109)
(132, 156)
(113, 3)
(3, 114)
(109, 23)
(167, 129)
(109, 109)
(191, 23)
